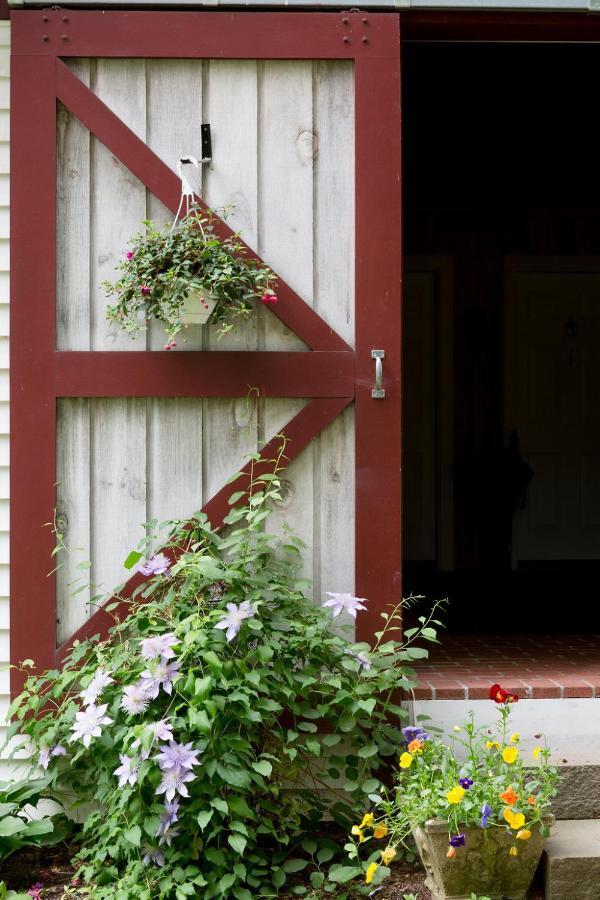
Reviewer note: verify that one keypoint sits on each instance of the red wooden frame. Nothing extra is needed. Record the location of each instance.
(332, 374)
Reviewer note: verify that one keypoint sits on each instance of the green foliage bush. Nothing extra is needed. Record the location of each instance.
(276, 719)
(17, 827)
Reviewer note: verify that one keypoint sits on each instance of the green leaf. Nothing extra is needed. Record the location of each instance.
(239, 806)
(342, 874)
(10, 825)
(330, 740)
(237, 496)
(226, 882)
(133, 559)
(294, 865)
(220, 805)
(236, 777)
(133, 835)
(237, 842)
(368, 751)
(204, 818)
(263, 767)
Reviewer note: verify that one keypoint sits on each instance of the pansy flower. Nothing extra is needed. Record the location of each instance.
(486, 812)
(465, 783)
(457, 840)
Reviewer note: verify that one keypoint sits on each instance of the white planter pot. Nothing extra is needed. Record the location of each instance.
(198, 307)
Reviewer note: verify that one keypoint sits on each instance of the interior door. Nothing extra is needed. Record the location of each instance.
(552, 369)
(106, 431)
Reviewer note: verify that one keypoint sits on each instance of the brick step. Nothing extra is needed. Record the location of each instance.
(571, 861)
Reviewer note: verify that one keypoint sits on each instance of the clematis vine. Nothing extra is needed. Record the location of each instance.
(127, 772)
(161, 675)
(135, 698)
(361, 658)
(100, 680)
(89, 722)
(46, 753)
(236, 614)
(177, 756)
(344, 603)
(153, 855)
(159, 564)
(159, 646)
(174, 782)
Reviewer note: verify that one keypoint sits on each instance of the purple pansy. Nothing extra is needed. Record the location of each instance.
(234, 618)
(162, 674)
(486, 812)
(160, 645)
(465, 783)
(127, 772)
(415, 733)
(159, 564)
(177, 756)
(457, 840)
(174, 782)
(344, 603)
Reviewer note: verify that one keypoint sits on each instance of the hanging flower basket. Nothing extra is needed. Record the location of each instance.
(198, 306)
(187, 275)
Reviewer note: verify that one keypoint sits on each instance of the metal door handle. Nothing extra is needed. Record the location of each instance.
(378, 392)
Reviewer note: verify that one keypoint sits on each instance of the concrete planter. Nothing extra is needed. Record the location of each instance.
(483, 866)
(198, 306)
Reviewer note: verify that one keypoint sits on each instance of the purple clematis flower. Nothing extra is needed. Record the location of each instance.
(127, 772)
(486, 812)
(159, 564)
(174, 782)
(167, 836)
(234, 618)
(58, 750)
(153, 855)
(457, 840)
(135, 698)
(100, 680)
(88, 723)
(44, 757)
(465, 783)
(160, 731)
(169, 816)
(160, 645)
(177, 756)
(344, 603)
(161, 675)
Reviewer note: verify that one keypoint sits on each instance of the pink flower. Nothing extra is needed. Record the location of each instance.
(130, 254)
(269, 297)
(145, 289)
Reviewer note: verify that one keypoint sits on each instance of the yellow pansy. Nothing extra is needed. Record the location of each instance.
(510, 754)
(370, 872)
(513, 851)
(380, 831)
(536, 752)
(515, 737)
(405, 760)
(367, 821)
(516, 820)
(357, 832)
(387, 855)
(524, 834)
(455, 795)
(492, 745)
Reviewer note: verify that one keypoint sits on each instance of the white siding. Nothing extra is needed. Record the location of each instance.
(283, 154)
(4, 414)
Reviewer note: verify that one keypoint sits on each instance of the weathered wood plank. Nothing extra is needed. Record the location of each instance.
(72, 514)
(286, 151)
(334, 301)
(230, 426)
(73, 225)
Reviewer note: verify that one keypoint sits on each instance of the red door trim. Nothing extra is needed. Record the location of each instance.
(327, 373)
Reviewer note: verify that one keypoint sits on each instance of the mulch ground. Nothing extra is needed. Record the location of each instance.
(51, 868)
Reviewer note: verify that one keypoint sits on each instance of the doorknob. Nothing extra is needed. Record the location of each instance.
(378, 392)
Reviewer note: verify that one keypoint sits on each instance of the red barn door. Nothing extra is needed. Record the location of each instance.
(330, 373)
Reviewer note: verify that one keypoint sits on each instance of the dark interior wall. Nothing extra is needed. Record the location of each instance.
(499, 150)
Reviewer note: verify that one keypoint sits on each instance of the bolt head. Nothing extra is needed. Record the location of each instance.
(345, 39)
(365, 40)
(45, 37)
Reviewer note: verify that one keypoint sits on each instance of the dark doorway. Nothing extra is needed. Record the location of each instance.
(501, 192)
